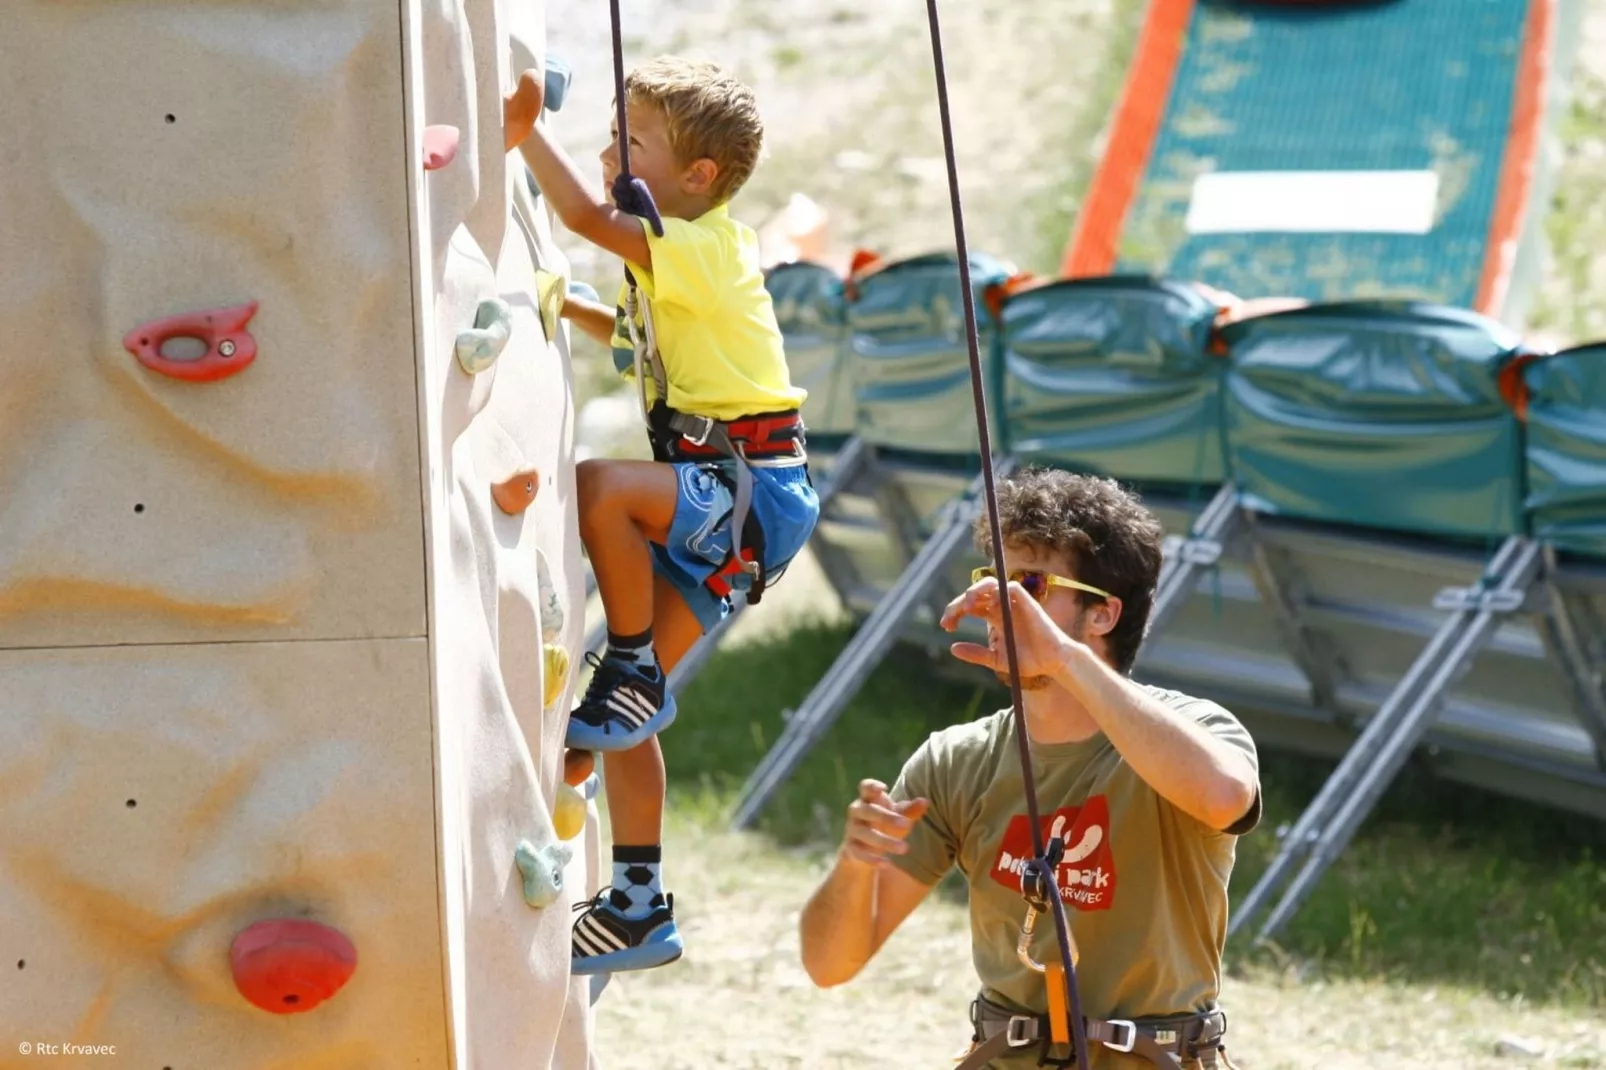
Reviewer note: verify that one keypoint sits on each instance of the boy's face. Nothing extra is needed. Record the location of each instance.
(653, 161)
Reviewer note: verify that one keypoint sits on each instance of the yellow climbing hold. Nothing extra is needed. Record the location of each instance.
(569, 813)
(550, 289)
(555, 668)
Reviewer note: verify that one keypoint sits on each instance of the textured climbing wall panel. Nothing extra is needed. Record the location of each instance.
(207, 156)
(159, 800)
(276, 370)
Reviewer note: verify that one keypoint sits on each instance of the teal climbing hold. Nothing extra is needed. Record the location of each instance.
(479, 346)
(542, 869)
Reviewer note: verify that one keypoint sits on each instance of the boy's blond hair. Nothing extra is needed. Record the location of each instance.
(708, 112)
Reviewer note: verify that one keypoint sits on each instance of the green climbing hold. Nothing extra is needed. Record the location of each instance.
(542, 869)
(479, 346)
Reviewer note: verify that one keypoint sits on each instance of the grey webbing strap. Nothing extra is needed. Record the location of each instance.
(990, 1049)
(710, 432)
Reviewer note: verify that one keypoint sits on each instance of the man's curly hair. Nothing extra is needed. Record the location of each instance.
(709, 114)
(1111, 540)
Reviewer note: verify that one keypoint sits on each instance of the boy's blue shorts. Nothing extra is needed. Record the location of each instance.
(784, 504)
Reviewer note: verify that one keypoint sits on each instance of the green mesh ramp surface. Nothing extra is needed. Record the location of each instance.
(1408, 85)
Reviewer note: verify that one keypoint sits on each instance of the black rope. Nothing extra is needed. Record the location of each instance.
(1042, 871)
(619, 87)
(630, 194)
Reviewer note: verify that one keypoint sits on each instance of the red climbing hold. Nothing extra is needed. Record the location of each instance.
(229, 347)
(515, 495)
(577, 766)
(290, 965)
(440, 146)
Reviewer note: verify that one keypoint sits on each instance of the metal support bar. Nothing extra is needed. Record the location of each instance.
(1330, 822)
(843, 470)
(1280, 591)
(809, 722)
(1565, 627)
(1184, 557)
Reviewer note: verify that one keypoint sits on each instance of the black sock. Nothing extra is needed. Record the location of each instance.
(633, 648)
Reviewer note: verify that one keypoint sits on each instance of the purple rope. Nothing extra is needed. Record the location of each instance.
(1038, 882)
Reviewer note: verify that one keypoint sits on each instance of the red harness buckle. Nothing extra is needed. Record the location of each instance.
(719, 582)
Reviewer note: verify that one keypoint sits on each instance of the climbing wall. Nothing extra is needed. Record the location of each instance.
(286, 542)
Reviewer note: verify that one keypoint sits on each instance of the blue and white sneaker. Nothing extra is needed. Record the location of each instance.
(604, 940)
(625, 705)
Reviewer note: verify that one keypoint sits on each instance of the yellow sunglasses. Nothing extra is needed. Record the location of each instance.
(1036, 583)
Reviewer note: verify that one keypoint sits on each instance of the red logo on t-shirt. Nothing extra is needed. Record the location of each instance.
(1086, 873)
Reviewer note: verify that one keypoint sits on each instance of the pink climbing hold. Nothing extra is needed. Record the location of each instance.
(290, 965)
(229, 347)
(440, 146)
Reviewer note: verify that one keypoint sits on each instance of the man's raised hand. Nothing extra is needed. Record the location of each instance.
(877, 826)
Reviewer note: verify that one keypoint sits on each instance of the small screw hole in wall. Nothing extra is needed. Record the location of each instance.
(139, 507)
(22, 964)
(131, 803)
(170, 118)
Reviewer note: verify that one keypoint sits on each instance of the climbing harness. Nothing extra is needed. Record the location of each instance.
(1169, 1043)
(731, 448)
(1039, 883)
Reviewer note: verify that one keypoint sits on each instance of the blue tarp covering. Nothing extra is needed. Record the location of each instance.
(1567, 449)
(910, 359)
(1379, 414)
(1114, 376)
(812, 312)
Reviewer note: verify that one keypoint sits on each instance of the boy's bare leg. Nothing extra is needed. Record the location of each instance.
(635, 778)
(623, 505)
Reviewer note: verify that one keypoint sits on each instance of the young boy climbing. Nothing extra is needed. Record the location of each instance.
(727, 501)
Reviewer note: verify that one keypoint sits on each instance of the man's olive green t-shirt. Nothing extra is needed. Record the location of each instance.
(1144, 884)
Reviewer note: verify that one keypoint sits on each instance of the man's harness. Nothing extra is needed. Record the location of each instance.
(1167, 1042)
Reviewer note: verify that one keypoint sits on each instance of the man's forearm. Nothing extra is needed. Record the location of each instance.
(837, 926)
(1178, 757)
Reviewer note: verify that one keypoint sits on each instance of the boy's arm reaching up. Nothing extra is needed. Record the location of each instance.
(594, 319)
(597, 222)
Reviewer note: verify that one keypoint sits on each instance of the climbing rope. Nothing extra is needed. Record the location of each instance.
(630, 194)
(1039, 885)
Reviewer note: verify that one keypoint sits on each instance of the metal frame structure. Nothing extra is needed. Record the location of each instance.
(1349, 794)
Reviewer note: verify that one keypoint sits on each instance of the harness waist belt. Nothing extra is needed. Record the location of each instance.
(1164, 1042)
(765, 435)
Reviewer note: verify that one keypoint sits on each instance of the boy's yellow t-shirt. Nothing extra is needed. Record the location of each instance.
(714, 321)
